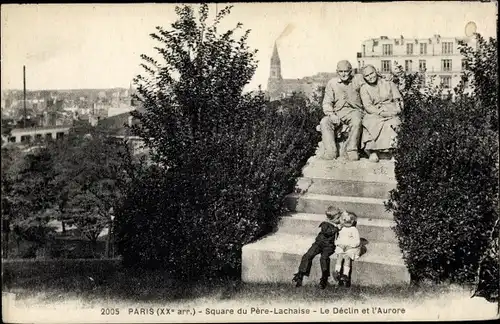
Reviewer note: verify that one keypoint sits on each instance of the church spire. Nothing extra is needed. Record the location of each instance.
(275, 58)
(275, 72)
(275, 81)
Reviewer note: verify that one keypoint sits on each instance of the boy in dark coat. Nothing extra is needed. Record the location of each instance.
(324, 245)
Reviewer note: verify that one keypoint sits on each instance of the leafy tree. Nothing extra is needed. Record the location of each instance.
(90, 179)
(446, 201)
(196, 94)
(77, 180)
(27, 194)
(482, 75)
(11, 161)
(223, 159)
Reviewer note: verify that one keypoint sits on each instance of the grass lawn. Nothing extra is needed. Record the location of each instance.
(92, 290)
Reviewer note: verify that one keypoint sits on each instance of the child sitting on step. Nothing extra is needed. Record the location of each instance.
(348, 249)
(324, 245)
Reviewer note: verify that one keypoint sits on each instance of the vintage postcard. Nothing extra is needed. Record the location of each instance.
(249, 162)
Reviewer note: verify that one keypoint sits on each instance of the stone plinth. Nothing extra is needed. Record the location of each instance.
(340, 169)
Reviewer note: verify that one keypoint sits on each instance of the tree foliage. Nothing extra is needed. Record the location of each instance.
(28, 194)
(191, 96)
(77, 180)
(223, 159)
(446, 201)
(91, 176)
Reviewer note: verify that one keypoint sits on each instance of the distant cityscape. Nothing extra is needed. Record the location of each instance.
(62, 107)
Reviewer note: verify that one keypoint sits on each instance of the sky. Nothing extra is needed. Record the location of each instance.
(99, 46)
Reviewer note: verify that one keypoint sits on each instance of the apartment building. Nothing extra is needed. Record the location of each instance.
(436, 56)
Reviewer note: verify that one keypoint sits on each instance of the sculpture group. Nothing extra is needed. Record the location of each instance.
(363, 107)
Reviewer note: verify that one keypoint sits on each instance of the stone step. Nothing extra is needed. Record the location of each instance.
(335, 187)
(372, 230)
(362, 170)
(363, 207)
(275, 258)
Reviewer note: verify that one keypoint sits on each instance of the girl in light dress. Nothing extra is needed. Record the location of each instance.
(348, 247)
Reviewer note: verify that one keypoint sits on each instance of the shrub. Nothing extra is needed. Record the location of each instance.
(446, 199)
(223, 160)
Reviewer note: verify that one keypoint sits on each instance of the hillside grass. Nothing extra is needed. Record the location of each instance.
(76, 288)
(92, 280)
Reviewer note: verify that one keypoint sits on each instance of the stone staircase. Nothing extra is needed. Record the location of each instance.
(360, 187)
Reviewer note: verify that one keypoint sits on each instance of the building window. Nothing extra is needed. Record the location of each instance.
(408, 64)
(446, 81)
(387, 49)
(60, 135)
(446, 65)
(25, 138)
(409, 49)
(364, 50)
(422, 65)
(423, 48)
(12, 139)
(447, 47)
(386, 66)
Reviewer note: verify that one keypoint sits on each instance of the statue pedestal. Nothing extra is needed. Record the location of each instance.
(342, 169)
(383, 156)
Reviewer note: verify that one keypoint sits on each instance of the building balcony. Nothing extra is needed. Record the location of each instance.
(452, 72)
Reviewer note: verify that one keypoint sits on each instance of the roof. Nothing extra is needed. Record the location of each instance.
(122, 108)
(325, 76)
(117, 124)
(307, 85)
(410, 39)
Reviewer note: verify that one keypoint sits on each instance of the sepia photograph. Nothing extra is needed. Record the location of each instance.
(250, 162)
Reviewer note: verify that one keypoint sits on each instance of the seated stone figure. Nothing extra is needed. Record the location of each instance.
(382, 102)
(342, 106)
(340, 132)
